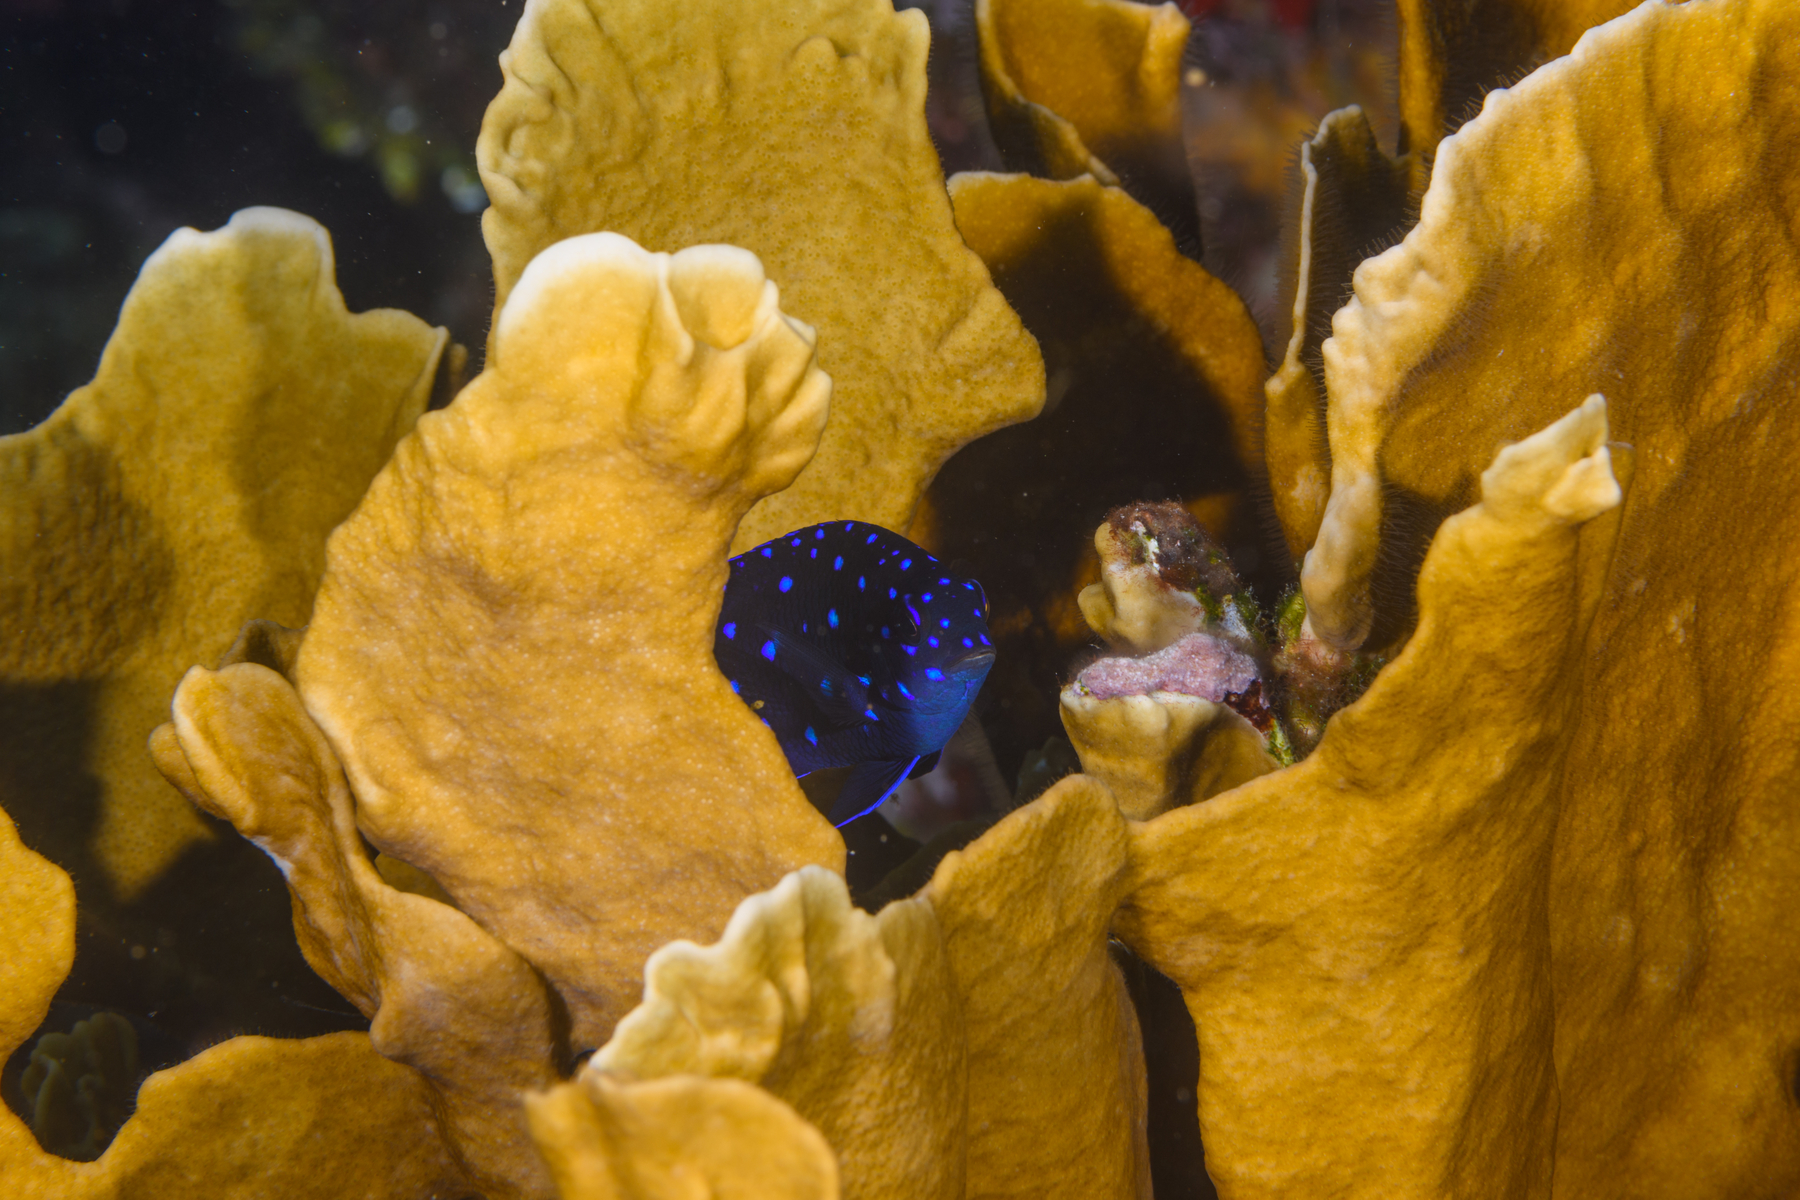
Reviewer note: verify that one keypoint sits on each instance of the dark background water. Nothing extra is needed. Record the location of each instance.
(123, 120)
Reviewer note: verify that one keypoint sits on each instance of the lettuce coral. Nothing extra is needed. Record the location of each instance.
(187, 489)
(1092, 87)
(1668, 908)
(515, 629)
(325, 1116)
(974, 1040)
(797, 131)
(1518, 924)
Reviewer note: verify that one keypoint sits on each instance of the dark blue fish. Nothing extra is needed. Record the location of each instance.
(857, 648)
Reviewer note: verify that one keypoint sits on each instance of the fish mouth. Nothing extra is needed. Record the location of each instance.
(975, 660)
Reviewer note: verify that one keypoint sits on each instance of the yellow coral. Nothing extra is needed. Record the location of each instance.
(511, 651)
(1355, 198)
(614, 1140)
(1452, 52)
(238, 413)
(443, 996)
(796, 130)
(975, 1040)
(1362, 938)
(1092, 87)
(322, 1117)
(1544, 263)
(1352, 197)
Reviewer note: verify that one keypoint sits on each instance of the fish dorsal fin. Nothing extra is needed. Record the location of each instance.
(868, 785)
(841, 696)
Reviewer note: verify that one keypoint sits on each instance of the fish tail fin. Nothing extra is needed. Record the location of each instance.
(868, 785)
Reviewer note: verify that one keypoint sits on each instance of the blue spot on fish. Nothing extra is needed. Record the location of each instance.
(831, 616)
(837, 564)
(933, 673)
(811, 736)
(768, 651)
(730, 628)
(786, 584)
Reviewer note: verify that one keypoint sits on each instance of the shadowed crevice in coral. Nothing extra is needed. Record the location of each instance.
(114, 1093)
(1128, 419)
(1172, 1063)
(1408, 523)
(208, 951)
(45, 730)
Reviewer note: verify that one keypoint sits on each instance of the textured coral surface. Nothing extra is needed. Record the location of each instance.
(1518, 925)
(796, 131)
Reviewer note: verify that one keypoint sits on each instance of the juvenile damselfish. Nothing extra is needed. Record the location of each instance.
(857, 648)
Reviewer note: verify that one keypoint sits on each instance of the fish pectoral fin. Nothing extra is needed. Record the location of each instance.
(869, 784)
(839, 694)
